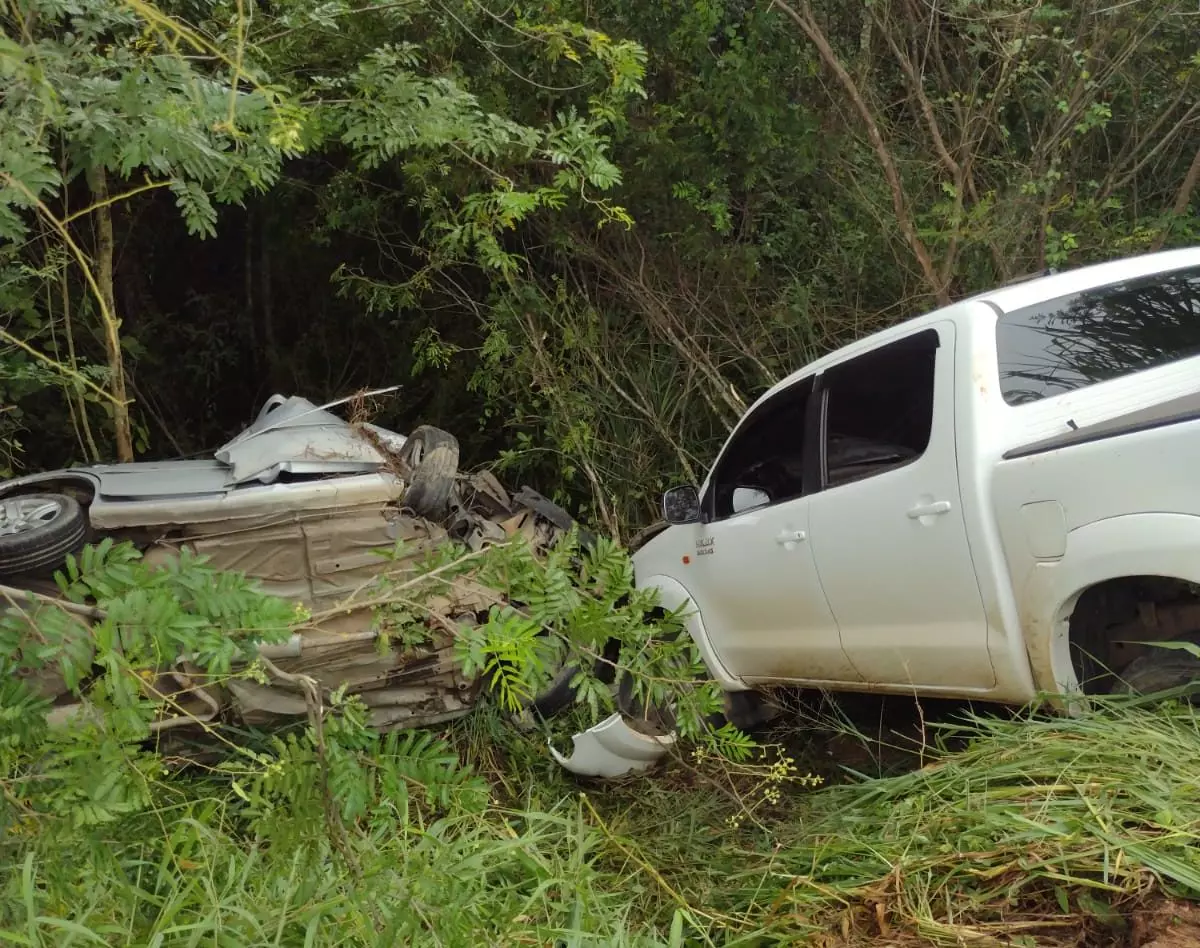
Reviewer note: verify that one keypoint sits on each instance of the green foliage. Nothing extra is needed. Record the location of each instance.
(338, 770)
(566, 611)
(334, 834)
(182, 608)
(451, 167)
(1191, 648)
(766, 234)
(90, 768)
(1036, 829)
(1082, 810)
(100, 86)
(183, 100)
(100, 101)
(342, 833)
(563, 611)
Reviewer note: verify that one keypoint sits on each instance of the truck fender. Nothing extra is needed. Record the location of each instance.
(674, 597)
(1142, 544)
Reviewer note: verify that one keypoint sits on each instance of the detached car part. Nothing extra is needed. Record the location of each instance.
(613, 748)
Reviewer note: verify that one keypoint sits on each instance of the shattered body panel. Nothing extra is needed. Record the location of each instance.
(612, 748)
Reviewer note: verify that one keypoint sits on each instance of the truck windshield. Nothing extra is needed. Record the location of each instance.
(1079, 340)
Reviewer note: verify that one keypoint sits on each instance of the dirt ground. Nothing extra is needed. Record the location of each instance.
(1161, 924)
(1166, 924)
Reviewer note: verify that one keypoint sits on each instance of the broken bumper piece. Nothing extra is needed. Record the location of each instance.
(613, 748)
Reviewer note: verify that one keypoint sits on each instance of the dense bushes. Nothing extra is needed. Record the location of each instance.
(587, 235)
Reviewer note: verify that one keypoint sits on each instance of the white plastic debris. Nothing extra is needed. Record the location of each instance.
(613, 748)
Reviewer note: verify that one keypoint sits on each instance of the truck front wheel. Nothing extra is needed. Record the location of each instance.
(37, 531)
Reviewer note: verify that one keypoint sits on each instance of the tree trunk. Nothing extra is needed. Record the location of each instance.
(1182, 199)
(105, 251)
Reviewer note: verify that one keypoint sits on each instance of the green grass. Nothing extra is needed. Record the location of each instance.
(1037, 824)
(1038, 830)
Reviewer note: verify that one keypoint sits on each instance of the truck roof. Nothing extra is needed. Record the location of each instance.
(1011, 297)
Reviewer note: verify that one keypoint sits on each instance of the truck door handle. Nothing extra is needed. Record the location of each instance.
(934, 509)
(790, 536)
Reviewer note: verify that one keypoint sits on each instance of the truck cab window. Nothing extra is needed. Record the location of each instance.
(763, 464)
(879, 413)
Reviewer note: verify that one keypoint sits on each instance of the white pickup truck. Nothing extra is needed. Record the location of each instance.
(997, 499)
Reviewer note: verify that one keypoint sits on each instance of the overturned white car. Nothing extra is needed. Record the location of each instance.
(303, 502)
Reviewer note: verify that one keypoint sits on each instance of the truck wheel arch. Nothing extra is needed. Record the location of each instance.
(673, 596)
(1138, 579)
(82, 486)
(1110, 619)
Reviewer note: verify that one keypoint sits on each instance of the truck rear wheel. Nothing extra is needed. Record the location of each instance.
(1160, 670)
(432, 459)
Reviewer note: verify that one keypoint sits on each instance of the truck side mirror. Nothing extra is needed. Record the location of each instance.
(681, 505)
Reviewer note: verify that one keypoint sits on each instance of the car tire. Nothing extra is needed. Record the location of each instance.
(431, 456)
(37, 531)
(559, 695)
(1160, 670)
(655, 720)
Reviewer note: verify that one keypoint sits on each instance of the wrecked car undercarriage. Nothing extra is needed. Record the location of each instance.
(319, 512)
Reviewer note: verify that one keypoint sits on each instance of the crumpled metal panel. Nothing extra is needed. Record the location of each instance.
(295, 435)
(162, 479)
(274, 501)
(330, 449)
(283, 412)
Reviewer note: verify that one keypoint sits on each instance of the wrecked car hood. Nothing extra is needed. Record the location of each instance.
(290, 435)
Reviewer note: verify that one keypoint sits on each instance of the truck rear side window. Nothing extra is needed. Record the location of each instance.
(1078, 340)
(879, 414)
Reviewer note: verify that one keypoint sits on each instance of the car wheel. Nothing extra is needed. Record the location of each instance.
(431, 456)
(37, 531)
(558, 695)
(1160, 670)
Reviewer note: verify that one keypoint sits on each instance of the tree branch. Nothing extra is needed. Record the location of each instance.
(918, 90)
(803, 18)
(1162, 143)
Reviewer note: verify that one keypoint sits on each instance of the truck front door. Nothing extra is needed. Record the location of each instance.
(750, 567)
